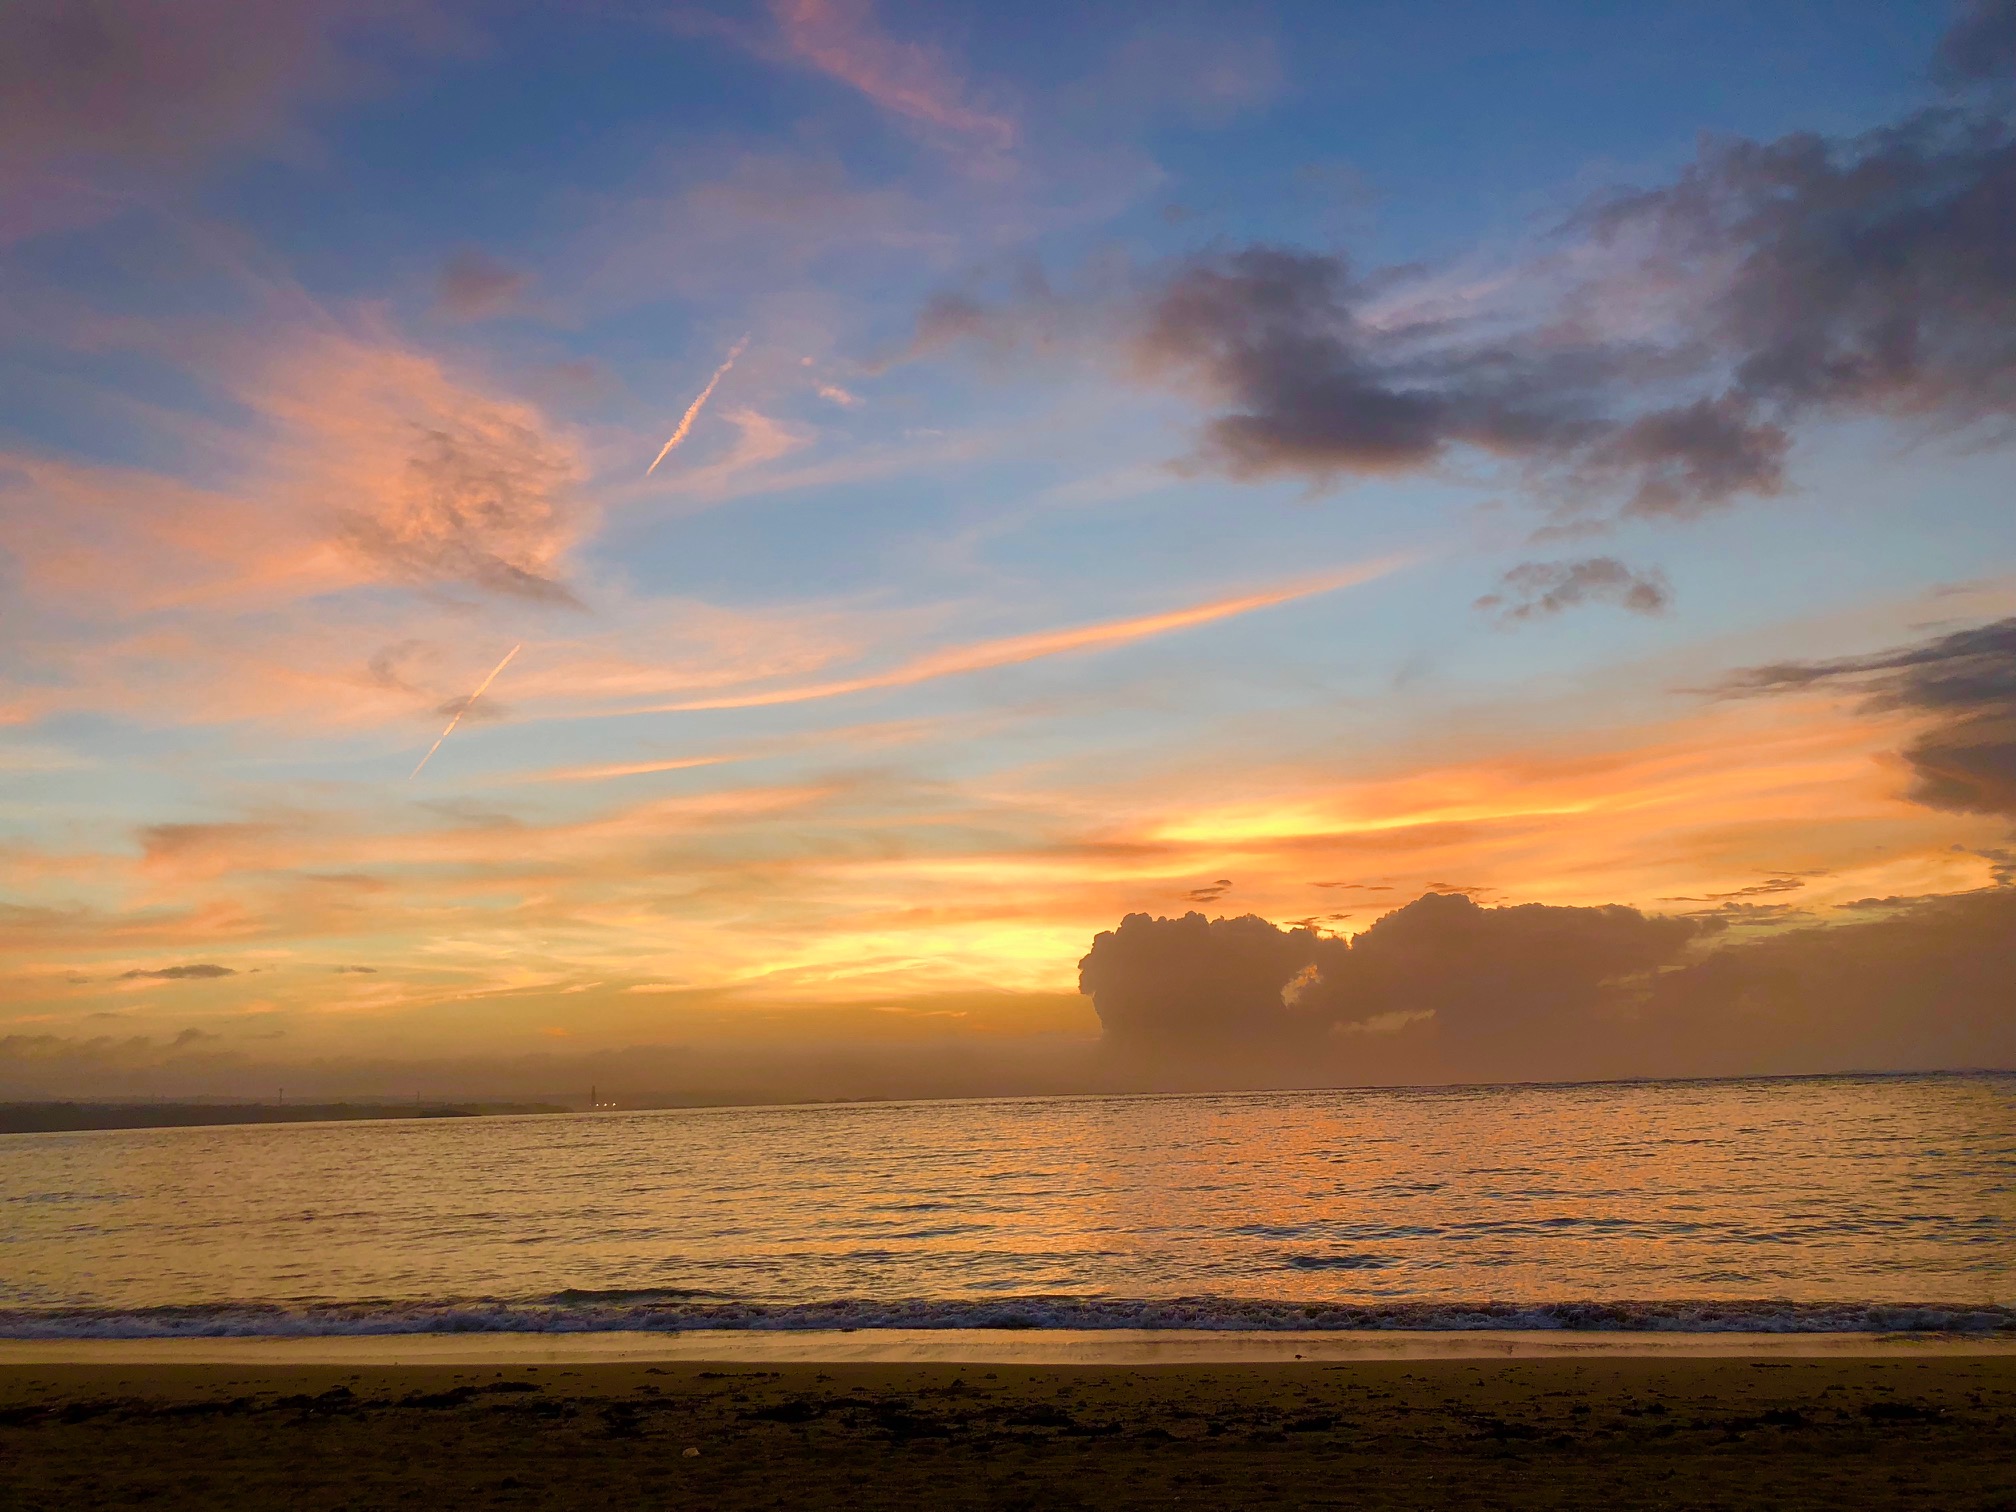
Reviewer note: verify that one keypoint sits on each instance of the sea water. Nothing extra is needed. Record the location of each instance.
(1808, 1203)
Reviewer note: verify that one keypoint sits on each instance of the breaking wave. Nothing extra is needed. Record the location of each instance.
(679, 1311)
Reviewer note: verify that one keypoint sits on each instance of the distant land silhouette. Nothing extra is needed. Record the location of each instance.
(63, 1117)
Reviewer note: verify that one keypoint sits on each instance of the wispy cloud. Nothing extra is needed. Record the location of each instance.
(685, 426)
(467, 704)
(628, 769)
(1015, 649)
(908, 79)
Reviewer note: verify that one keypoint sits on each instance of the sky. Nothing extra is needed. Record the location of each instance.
(733, 547)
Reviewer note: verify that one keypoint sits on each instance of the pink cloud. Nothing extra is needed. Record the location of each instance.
(909, 79)
(112, 93)
(426, 479)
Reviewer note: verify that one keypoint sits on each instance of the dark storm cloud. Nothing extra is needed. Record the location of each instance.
(1446, 989)
(1963, 683)
(1192, 982)
(1195, 981)
(1933, 985)
(1533, 589)
(202, 971)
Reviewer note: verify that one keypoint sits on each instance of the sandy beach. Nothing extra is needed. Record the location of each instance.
(1837, 1423)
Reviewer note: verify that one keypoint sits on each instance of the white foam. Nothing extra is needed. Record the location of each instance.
(660, 1312)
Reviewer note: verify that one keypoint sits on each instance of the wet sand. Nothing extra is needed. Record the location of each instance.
(992, 1346)
(1903, 1426)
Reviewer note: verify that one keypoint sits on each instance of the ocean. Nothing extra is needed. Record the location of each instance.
(1817, 1203)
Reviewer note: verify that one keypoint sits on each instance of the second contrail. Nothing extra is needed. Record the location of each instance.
(467, 704)
(693, 410)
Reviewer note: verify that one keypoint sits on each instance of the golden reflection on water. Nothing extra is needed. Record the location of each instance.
(1869, 1190)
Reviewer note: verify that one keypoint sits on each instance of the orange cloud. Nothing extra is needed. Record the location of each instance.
(627, 769)
(421, 477)
(1015, 649)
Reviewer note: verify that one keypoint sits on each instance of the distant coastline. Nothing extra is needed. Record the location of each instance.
(77, 1117)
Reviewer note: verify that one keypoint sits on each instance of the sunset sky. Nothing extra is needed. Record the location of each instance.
(1279, 459)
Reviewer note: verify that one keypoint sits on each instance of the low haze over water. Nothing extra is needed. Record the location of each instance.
(1811, 1203)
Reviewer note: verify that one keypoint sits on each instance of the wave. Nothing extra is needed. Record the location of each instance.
(673, 1311)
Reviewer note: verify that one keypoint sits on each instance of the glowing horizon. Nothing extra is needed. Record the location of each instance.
(1148, 481)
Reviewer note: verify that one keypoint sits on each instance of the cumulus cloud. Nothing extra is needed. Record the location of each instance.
(1932, 985)
(1444, 988)
(202, 971)
(1963, 683)
(1191, 983)
(1534, 589)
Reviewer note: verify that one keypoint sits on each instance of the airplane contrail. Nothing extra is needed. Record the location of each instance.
(693, 410)
(467, 704)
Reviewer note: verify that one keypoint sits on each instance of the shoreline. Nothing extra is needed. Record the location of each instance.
(987, 1346)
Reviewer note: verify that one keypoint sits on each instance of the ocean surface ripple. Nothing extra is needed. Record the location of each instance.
(1812, 1204)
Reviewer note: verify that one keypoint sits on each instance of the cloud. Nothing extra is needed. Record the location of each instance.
(199, 972)
(98, 98)
(908, 79)
(1444, 989)
(1981, 46)
(1963, 683)
(424, 478)
(359, 460)
(1190, 983)
(473, 285)
(1931, 986)
(1867, 276)
(1533, 589)
(1478, 972)
(129, 78)
(1016, 649)
(1657, 360)
(1311, 378)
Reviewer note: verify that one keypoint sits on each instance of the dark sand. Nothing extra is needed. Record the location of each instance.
(1932, 1432)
